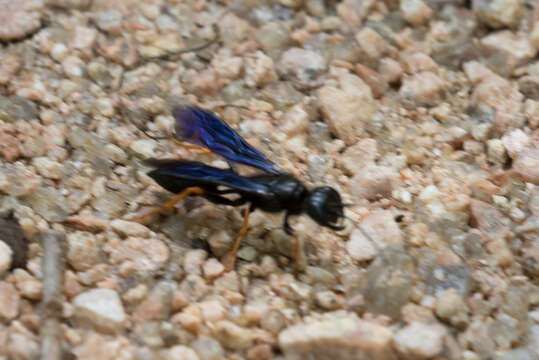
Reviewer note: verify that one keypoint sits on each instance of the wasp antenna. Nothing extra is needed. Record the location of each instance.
(192, 49)
(126, 112)
(231, 105)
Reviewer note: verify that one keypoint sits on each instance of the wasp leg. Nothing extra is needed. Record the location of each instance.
(230, 258)
(297, 244)
(189, 146)
(169, 205)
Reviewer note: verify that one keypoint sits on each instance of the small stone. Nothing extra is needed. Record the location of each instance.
(129, 228)
(376, 82)
(415, 11)
(144, 148)
(150, 334)
(381, 228)
(115, 153)
(391, 70)
(105, 107)
(83, 250)
(420, 341)
(272, 37)
(302, 66)
(424, 88)
(156, 306)
(451, 307)
(22, 345)
(145, 255)
(496, 151)
(110, 21)
(373, 182)
(498, 13)
(73, 67)
(193, 261)
(259, 70)
(372, 46)
(28, 286)
(247, 253)
(5, 257)
(327, 300)
(529, 86)
(232, 336)
(506, 49)
(212, 269)
(9, 301)
(337, 336)
(515, 142)
(360, 247)
(418, 62)
(48, 168)
(208, 348)
(135, 294)
(59, 52)
(17, 180)
(84, 37)
(19, 18)
(527, 165)
(180, 352)
(212, 310)
(101, 308)
(347, 107)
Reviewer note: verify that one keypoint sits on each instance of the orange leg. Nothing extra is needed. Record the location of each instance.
(230, 258)
(189, 146)
(169, 205)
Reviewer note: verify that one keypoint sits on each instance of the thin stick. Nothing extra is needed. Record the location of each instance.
(52, 267)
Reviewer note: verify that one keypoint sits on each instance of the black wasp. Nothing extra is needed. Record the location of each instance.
(274, 191)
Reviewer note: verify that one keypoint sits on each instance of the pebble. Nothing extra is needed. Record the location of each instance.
(208, 348)
(19, 18)
(337, 336)
(515, 142)
(82, 250)
(9, 301)
(424, 88)
(526, 165)
(372, 46)
(156, 306)
(380, 227)
(360, 247)
(259, 70)
(129, 228)
(59, 52)
(48, 168)
(301, 66)
(506, 48)
(5, 257)
(529, 86)
(499, 13)
(144, 148)
(391, 70)
(376, 81)
(232, 336)
(181, 352)
(451, 307)
(102, 308)
(373, 182)
(83, 37)
(212, 310)
(415, 11)
(346, 107)
(145, 255)
(28, 286)
(17, 180)
(212, 269)
(420, 341)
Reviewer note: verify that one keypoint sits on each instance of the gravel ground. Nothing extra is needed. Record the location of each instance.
(424, 114)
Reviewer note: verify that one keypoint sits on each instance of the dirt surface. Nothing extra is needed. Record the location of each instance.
(423, 114)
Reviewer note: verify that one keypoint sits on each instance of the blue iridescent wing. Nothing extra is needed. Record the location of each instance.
(177, 175)
(204, 128)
